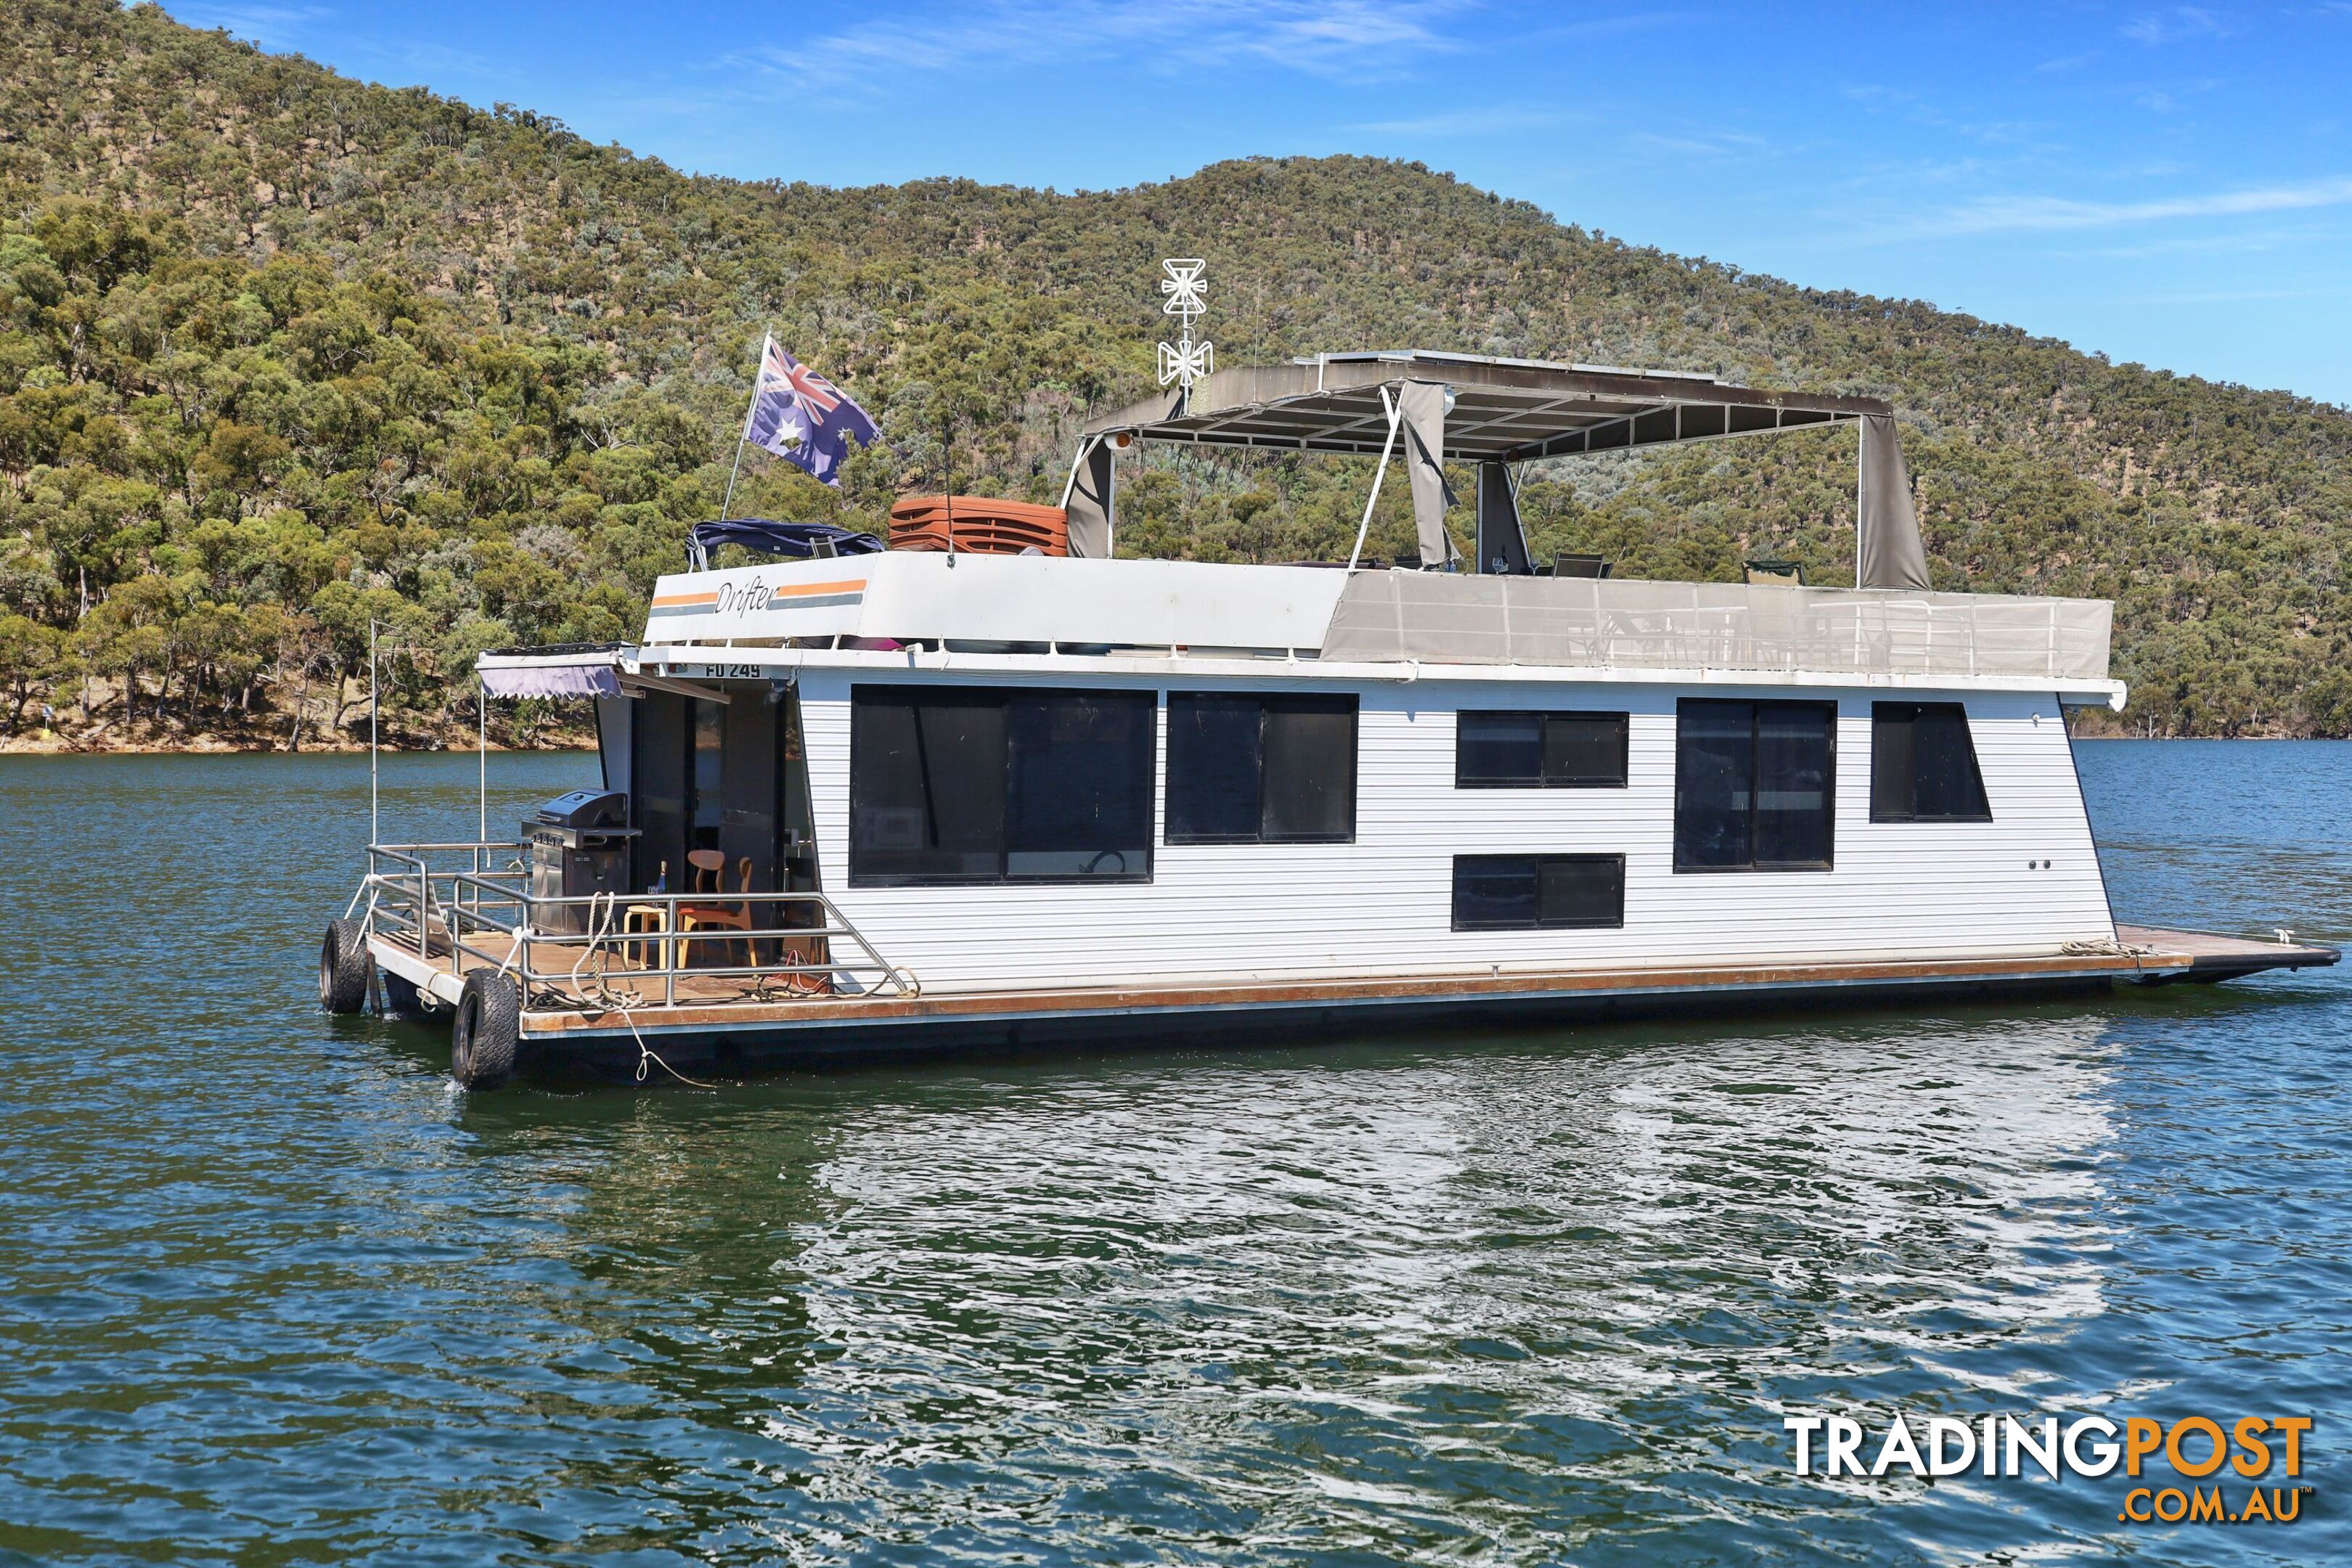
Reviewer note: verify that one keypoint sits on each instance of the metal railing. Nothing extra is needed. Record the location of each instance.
(469, 906)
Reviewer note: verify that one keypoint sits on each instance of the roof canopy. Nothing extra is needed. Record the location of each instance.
(1504, 410)
(1492, 412)
(793, 541)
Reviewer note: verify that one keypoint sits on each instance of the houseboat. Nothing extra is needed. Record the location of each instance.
(879, 799)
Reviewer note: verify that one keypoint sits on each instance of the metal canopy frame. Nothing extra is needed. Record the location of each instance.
(1504, 410)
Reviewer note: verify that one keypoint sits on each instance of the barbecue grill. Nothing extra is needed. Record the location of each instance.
(579, 847)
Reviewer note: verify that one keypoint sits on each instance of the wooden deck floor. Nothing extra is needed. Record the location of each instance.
(608, 973)
(2239, 956)
(630, 998)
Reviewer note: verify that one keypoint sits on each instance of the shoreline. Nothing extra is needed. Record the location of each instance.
(52, 743)
(57, 743)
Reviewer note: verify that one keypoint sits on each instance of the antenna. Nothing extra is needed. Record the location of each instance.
(1185, 362)
(375, 834)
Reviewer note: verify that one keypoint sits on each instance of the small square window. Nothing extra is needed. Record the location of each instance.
(1539, 892)
(1275, 769)
(1539, 751)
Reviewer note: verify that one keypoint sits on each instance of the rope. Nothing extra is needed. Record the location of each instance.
(2105, 947)
(601, 907)
(646, 1054)
(600, 918)
(2109, 947)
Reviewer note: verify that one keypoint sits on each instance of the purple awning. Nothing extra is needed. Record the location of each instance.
(571, 675)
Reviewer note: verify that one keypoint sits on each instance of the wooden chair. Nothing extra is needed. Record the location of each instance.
(710, 877)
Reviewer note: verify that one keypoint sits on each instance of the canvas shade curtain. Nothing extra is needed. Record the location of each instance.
(1888, 551)
(576, 675)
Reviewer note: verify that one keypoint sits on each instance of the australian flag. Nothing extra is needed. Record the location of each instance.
(801, 417)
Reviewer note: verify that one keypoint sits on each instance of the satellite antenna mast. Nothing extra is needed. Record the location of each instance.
(1185, 362)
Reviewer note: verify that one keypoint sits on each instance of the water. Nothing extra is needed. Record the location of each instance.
(271, 1290)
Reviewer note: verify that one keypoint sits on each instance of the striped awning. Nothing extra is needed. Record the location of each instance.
(570, 670)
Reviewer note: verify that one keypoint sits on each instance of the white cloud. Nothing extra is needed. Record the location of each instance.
(2234, 296)
(2028, 213)
(1700, 144)
(1319, 37)
(280, 28)
(271, 26)
(1502, 119)
(2178, 25)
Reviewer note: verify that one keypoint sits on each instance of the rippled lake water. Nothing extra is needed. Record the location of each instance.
(272, 1291)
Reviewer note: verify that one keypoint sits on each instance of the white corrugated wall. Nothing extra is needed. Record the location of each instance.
(1383, 904)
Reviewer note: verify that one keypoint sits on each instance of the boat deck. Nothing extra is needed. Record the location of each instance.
(2211, 957)
(614, 999)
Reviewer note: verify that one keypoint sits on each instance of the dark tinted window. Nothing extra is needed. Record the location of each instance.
(1582, 891)
(1755, 785)
(926, 786)
(709, 729)
(660, 736)
(1584, 750)
(1308, 788)
(1498, 748)
(1923, 764)
(1792, 783)
(1715, 784)
(991, 785)
(1277, 768)
(1078, 784)
(1212, 768)
(1530, 751)
(1529, 893)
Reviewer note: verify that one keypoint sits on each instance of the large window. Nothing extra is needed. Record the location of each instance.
(1754, 786)
(1277, 768)
(985, 786)
(1539, 751)
(1539, 892)
(706, 792)
(1923, 766)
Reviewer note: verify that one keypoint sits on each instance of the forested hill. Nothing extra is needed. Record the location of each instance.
(279, 351)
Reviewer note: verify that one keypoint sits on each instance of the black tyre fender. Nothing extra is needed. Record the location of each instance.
(485, 1030)
(344, 964)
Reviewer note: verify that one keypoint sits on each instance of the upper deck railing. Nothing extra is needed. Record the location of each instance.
(1588, 623)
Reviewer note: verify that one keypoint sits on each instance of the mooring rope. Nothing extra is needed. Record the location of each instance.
(2105, 947)
(601, 907)
(2109, 947)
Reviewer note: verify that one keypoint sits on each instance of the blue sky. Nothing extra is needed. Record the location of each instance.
(2165, 184)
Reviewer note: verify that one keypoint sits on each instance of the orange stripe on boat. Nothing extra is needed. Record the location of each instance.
(803, 590)
(666, 601)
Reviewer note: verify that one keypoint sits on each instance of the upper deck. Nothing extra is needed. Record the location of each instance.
(1021, 611)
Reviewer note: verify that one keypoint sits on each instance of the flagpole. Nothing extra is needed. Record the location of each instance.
(725, 507)
(947, 461)
(375, 834)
